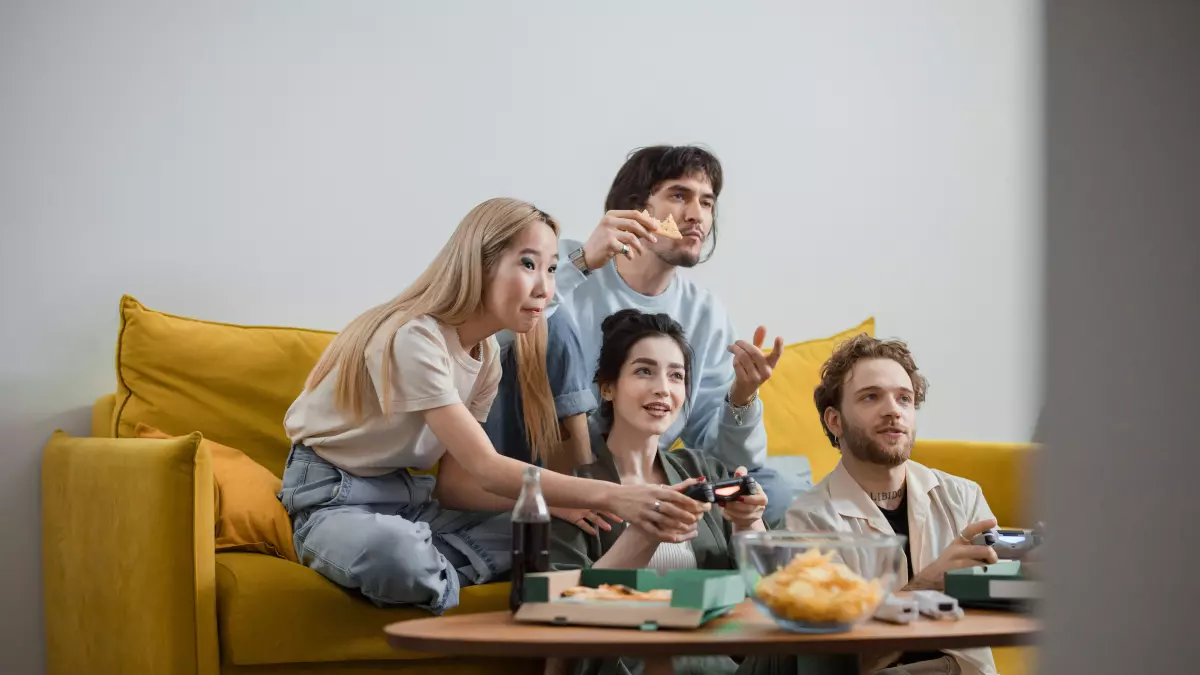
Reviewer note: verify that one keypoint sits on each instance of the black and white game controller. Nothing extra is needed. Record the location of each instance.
(1008, 544)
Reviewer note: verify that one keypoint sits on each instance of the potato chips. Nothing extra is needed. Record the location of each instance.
(813, 589)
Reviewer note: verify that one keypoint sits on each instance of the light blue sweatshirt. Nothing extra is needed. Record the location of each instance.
(709, 426)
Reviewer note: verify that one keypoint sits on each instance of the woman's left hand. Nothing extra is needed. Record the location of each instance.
(746, 513)
(585, 519)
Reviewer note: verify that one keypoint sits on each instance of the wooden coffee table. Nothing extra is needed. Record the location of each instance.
(744, 632)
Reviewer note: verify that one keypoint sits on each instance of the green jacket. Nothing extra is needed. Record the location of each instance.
(571, 548)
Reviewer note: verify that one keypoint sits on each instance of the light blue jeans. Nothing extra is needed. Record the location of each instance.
(387, 538)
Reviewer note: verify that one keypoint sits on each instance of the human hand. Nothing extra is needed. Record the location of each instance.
(959, 554)
(618, 229)
(585, 519)
(746, 513)
(664, 514)
(751, 368)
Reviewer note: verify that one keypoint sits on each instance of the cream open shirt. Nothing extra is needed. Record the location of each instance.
(939, 507)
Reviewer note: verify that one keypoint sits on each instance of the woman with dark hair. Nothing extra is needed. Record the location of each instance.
(643, 374)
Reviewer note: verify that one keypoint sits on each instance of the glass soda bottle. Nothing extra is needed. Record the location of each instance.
(530, 535)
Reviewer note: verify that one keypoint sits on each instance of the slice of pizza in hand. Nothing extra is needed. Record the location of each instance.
(667, 228)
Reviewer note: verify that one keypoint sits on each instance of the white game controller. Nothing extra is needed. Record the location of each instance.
(937, 605)
(1008, 544)
(896, 609)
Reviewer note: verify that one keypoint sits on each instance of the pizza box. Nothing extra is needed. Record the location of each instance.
(1003, 585)
(696, 597)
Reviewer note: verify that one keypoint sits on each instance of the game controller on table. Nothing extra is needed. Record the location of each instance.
(722, 491)
(1009, 544)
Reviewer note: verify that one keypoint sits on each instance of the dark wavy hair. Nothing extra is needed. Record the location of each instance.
(828, 394)
(646, 169)
(624, 329)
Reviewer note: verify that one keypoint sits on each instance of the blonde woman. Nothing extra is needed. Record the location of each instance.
(406, 386)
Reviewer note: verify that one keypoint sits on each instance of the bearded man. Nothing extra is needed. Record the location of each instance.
(868, 398)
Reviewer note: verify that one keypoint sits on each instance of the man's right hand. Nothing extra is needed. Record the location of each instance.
(674, 520)
(957, 555)
(616, 230)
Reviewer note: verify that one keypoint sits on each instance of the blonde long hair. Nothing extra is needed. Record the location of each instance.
(451, 291)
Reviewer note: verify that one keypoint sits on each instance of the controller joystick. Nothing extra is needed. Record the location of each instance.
(701, 492)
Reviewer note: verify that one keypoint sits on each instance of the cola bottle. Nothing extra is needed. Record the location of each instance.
(530, 535)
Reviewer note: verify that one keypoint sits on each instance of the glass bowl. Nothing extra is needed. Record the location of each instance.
(811, 582)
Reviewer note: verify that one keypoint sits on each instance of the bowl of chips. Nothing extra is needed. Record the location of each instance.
(819, 582)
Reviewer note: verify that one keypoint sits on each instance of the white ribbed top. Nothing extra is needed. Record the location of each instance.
(673, 557)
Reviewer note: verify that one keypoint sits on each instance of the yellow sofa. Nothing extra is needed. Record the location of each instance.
(132, 583)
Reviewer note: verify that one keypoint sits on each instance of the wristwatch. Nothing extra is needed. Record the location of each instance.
(577, 260)
(739, 410)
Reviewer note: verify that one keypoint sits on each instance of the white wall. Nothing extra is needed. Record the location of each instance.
(293, 163)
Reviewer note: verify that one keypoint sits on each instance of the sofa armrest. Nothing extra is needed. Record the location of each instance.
(1001, 469)
(128, 560)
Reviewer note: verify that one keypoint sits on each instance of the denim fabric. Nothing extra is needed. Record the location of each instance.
(779, 495)
(570, 381)
(783, 478)
(387, 538)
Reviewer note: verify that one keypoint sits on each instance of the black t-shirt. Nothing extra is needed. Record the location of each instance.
(898, 519)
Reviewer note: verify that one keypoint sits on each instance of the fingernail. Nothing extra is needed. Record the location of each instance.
(702, 479)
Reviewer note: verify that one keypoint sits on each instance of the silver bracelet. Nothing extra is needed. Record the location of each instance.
(739, 410)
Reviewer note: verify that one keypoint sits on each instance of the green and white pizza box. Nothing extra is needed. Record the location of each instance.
(1003, 585)
(697, 596)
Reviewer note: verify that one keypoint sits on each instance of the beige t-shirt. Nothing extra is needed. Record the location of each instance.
(430, 369)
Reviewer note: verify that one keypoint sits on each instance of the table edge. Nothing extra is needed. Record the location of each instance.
(758, 643)
(436, 647)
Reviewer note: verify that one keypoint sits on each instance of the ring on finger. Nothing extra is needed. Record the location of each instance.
(963, 538)
(657, 506)
(625, 250)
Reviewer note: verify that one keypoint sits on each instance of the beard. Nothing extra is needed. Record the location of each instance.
(865, 448)
(680, 258)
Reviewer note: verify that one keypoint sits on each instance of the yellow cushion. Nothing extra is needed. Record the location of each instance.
(1002, 470)
(789, 414)
(274, 611)
(231, 383)
(247, 513)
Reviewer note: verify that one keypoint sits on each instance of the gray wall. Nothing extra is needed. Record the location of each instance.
(1123, 366)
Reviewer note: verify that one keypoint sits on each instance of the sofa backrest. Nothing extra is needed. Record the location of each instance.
(234, 383)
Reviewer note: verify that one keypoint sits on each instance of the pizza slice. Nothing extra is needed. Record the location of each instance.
(667, 228)
(617, 592)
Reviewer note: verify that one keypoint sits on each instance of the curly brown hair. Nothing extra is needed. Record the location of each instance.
(828, 394)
